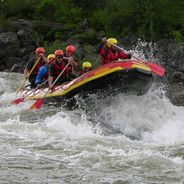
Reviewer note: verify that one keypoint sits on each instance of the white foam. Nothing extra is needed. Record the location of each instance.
(63, 123)
(169, 134)
(145, 116)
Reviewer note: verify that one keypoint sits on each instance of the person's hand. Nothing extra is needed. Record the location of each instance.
(130, 54)
(104, 40)
(26, 77)
(41, 55)
(51, 88)
(70, 61)
(38, 86)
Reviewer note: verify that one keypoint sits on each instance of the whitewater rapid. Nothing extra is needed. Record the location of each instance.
(117, 139)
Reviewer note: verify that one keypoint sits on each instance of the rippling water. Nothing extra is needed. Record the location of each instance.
(120, 139)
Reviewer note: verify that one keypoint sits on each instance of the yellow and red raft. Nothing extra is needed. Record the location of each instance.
(127, 76)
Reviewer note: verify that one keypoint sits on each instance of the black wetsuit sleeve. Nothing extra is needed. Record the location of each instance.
(30, 64)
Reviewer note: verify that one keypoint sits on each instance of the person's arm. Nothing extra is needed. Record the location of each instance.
(51, 75)
(44, 58)
(26, 73)
(101, 45)
(73, 64)
(28, 68)
(124, 55)
(71, 61)
(50, 81)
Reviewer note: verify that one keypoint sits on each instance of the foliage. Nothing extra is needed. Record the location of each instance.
(148, 19)
(7, 24)
(99, 19)
(51, 47)
(18, 8)
(63, 11)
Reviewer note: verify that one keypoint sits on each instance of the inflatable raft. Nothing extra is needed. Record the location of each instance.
(129, 76)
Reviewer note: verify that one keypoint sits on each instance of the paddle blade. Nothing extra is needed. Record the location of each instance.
(156, 69)
(38, 104)
(17, 101)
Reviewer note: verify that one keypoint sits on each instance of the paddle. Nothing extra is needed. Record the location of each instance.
(20, 100)
(20, 87)
(38, 104)
(154, 67)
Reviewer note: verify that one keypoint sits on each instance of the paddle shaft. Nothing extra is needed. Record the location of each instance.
(155, 68)
(126, 52)
(20, 87)
(19, 100)
(37, 88)
(56, 79)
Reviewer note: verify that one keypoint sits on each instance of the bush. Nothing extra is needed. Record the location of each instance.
(177, 36)
(51, 47)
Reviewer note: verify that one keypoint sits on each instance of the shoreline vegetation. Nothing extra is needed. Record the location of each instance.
(147, 20)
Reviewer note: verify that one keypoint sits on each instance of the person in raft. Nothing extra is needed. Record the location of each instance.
(35, 63)
(70, 55)
(43, 71)
(109, 52)
(57, 66)
(86, 67)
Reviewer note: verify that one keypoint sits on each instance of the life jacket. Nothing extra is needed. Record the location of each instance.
(109, 55)
(59, 68)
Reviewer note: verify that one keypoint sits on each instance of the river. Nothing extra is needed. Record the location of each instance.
(114, 140)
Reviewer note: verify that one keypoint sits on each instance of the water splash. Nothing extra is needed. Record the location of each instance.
(122, 138)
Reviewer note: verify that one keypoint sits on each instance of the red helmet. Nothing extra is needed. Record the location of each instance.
(40, 50)
(59, 53)
(70, 48)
